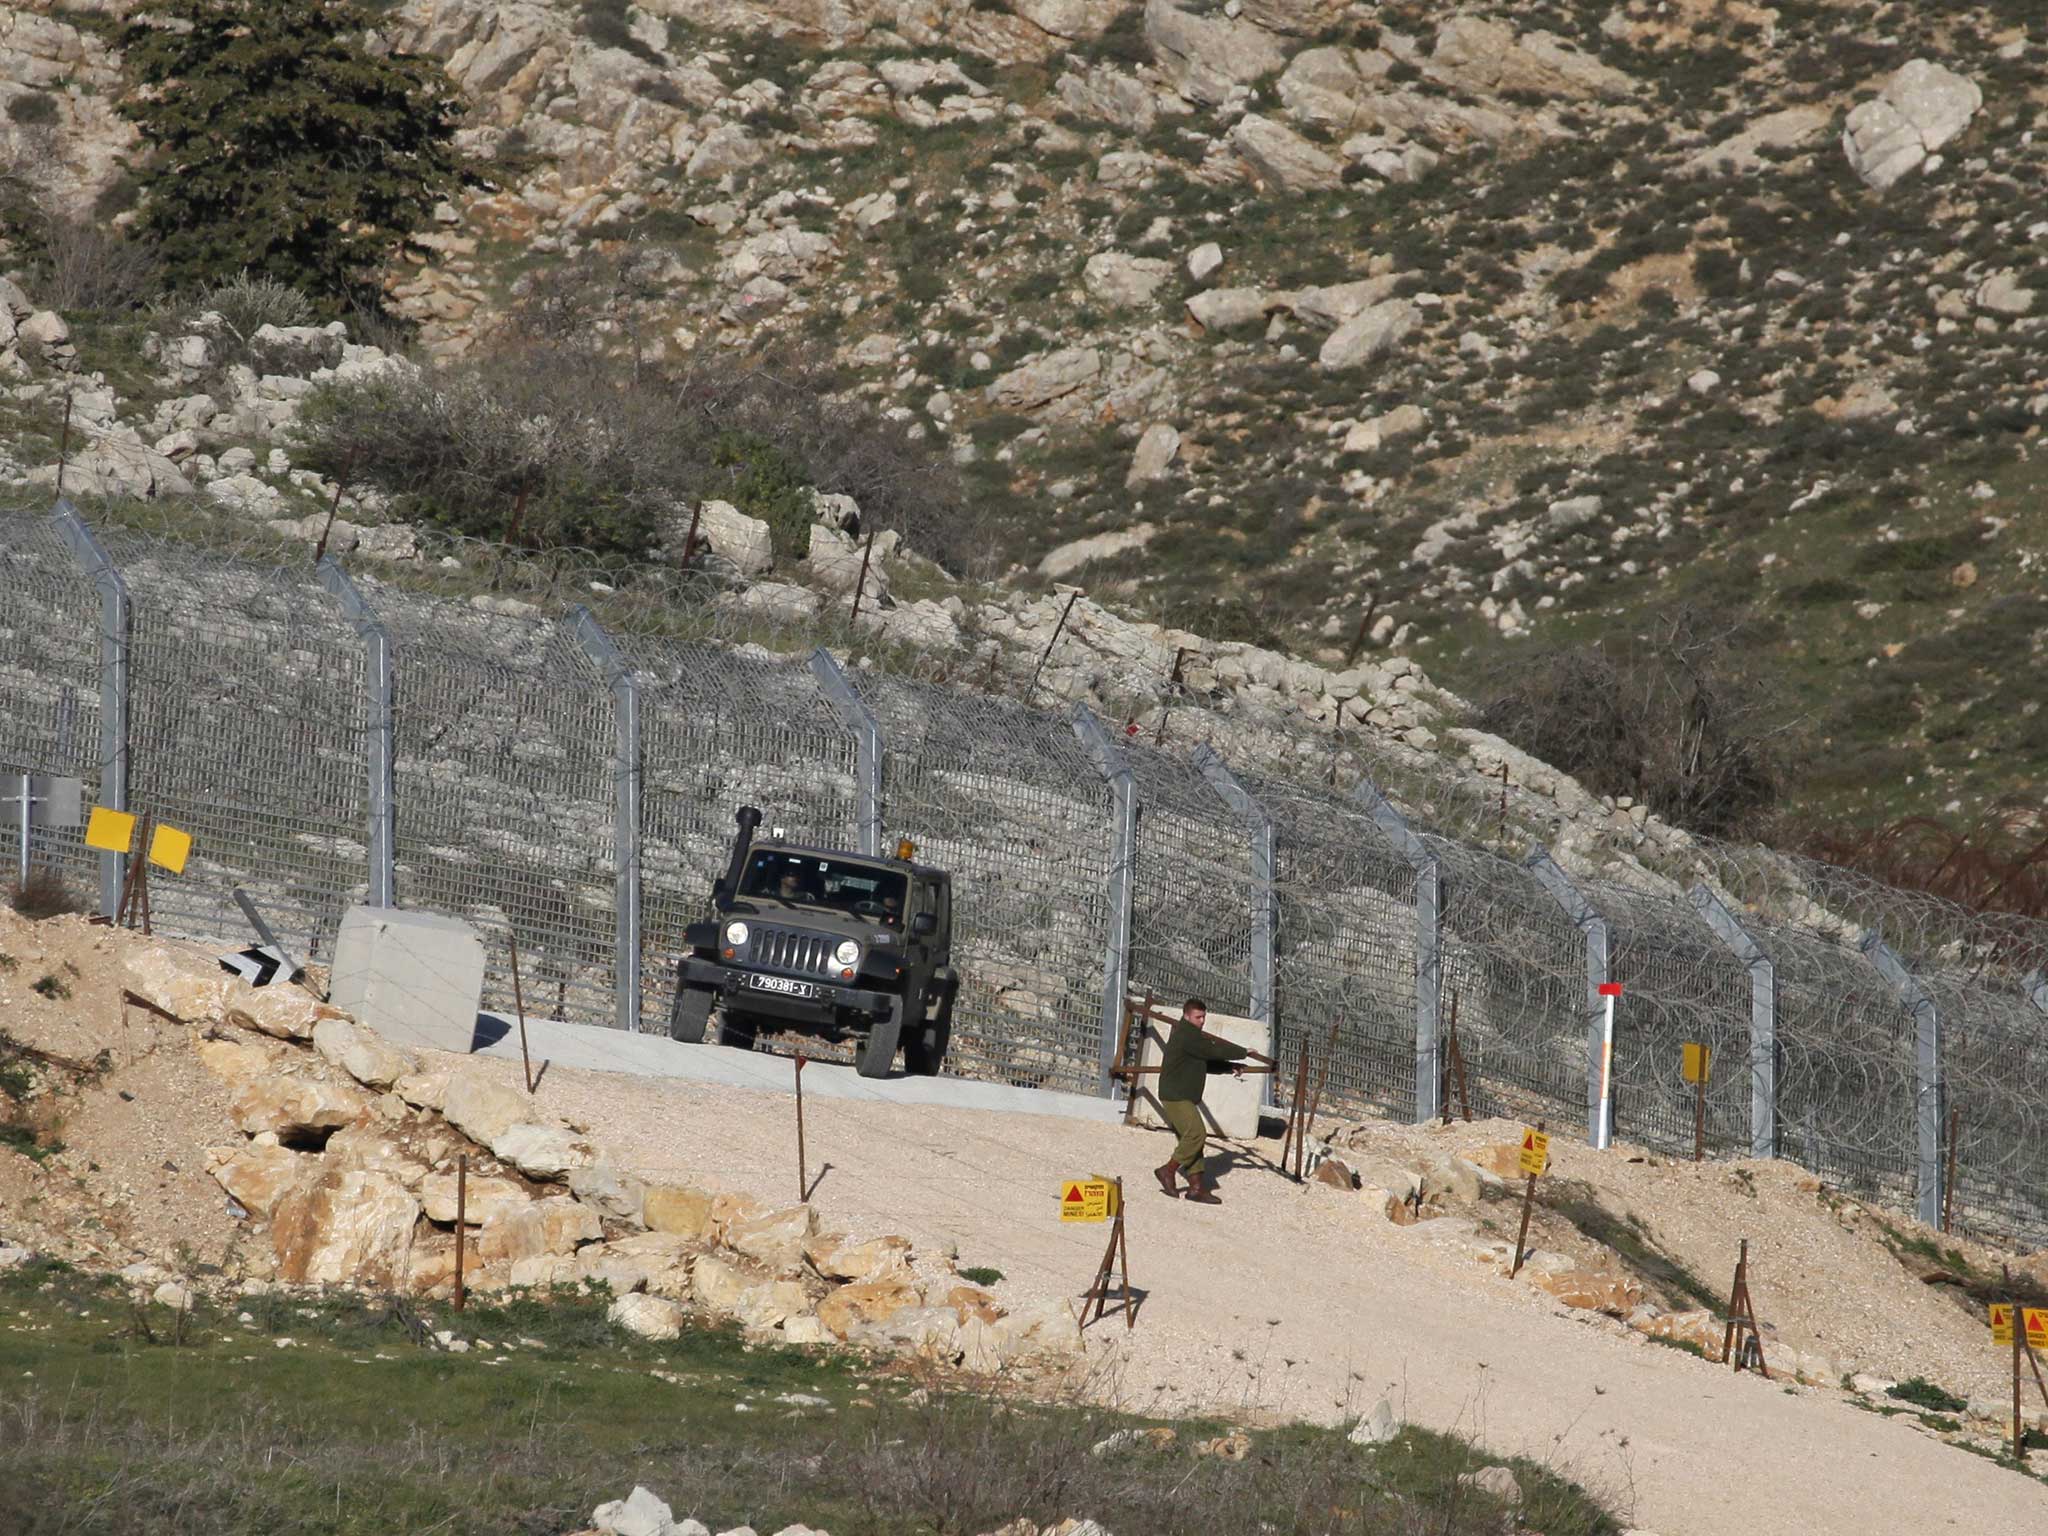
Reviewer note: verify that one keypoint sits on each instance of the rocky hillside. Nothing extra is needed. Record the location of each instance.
(1457, 332)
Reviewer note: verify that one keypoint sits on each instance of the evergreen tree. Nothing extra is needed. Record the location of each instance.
(280, 144)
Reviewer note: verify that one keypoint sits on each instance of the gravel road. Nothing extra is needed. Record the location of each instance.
(1296, 1302)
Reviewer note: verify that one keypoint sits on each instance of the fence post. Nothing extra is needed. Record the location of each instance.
(1927, 1095)
(1123, 789)
(855, 715)
(377, 681)
(1429, 963)
(625, 687)
(1763, 1018)
(1259, 826)
(1594, 928)
(113, 666)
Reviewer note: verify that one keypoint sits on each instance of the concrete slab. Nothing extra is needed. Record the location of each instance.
(612, 1050)
(416, 978)
(1230, 1104)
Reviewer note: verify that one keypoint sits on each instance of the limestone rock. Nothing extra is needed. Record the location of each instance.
(1061, 562)
(775, 1240)
(360, 1053)
(477, 1104)
(724, 150)
(1484, 56)
(1496, 1483)
(1369, 335)
(364, 1144)
(259, 1177)
(1921, 108)
(2002, 294)
(557, 1225)
(1204, 57)
(651, 1317)
(282, 1012)
(1124, 280)
(611, 1191)
(729, 1291)
(837, 1259)
(1377, 1427)
(483, 1197)
(678, 1210)
(1047, 378)
(349, 1227)
(296, 1107)
(732, 535)
(1156, 449)
(1740, 154)
(1110, 96)
(852, 1308)
(1601, 1290)
(1279, 157)
(1229, 309)
(114, 468)
(1369, 436)
(1204, 261)
(186, 986)
(542, 1151)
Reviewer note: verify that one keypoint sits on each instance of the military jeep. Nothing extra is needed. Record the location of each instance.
(839, 945)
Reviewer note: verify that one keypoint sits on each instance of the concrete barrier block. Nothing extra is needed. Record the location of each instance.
(417, 978)
(1230, 1104)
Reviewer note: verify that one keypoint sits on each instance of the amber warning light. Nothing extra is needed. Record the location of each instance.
(905, 849)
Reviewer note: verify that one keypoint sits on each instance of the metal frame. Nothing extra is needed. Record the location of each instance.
(1927, 1096)
(1263, 842)
(854, 713)
(1763, 1017)
(1599, 970)
(378, 683)
(626, 767)
(115, 617)
(1116, 969)
(1429, 961)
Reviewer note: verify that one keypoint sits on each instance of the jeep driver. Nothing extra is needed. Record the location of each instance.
(838, 945)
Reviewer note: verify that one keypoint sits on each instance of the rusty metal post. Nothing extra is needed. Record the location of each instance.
(333, 507)
(519, 1002)
(803, 1177)
(690, 538)
(1948, 1184)
(64, 446)
(1528, 1200)
(1372, 603)
(1057, 630)
(2019, 1344)
(867, 553)
(1699, 1111)
(461, 1215)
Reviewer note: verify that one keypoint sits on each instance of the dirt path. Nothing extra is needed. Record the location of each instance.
(1288, 1301)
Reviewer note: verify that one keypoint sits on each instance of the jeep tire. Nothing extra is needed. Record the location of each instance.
(878, 1051)
(925, 1051)
(692, 1013)
(738, 1029)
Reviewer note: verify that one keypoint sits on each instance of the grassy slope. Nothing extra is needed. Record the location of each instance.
(107, 1424)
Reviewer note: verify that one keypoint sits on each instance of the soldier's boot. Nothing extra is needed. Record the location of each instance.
(1201, 1191)
(1165, 1174)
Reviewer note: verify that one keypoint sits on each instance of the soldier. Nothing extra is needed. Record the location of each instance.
(1191, 1055)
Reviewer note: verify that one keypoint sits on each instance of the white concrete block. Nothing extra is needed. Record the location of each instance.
(417, 978)
(1229, 1103)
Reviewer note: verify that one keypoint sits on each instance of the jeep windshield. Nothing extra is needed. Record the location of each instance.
(806, 879)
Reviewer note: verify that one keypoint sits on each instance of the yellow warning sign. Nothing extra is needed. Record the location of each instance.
(169, 847)
(112, 831)
(1535, 1151)
(1087, 1200)
(1699, 1061)
(2001, 1323)
(2036, 1319)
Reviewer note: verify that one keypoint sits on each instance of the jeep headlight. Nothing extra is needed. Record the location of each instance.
(848, 952)
(735, 934)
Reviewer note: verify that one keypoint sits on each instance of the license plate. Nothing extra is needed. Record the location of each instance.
(782, 984)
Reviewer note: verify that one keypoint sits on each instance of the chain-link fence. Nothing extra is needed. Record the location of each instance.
(569, 779)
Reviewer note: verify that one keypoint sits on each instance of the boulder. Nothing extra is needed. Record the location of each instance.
(678, 1210)
(1044, 379)
(1230, 309)
(2001, 294)
(1279, 157)
(483, 1197)
(1063, 561)
(186, 986)
(282, 1012)
(1369, 335)
(482, 1107)
(359, 1053)
(1377, 1427)
(851, 1309)
(365, 1145)
(837, 1259)
(114, 468)
(1123, 280)
(776, 1240)
(729, 1291)
(1741, 153)
(1921, 108)
(1157, 448)
(723, 150)
(348, 1227)
(1496, 1483)
(1208, 57)
(1600, 1290)
(542, 1151)
(556, 1225)
(1369, 436)
(733, 536)
(236, 1062)
(259, 1177)
(611, 1191)
(1486, 57)
(296, 1108)
(1204, 261)
(651, 1317)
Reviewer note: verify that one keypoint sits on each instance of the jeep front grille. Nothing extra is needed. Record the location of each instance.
(790, 949)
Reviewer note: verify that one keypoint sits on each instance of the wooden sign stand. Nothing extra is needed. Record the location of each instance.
(1528, 1200)
(1296, 1138)
(1113, 1274)
(1454, 1062)
(1742, 1343)
(134, 901)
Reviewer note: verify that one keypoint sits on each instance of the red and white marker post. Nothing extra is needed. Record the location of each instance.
(1603, 1120)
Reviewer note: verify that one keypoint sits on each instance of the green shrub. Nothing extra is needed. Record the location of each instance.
(32, 108)
(1922, 1393)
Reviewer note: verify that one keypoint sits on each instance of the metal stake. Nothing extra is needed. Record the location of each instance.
(64, 445)
(340, 485)
(803, 1177)
(1372, 603)
(867, 553)
(461, 1214)
(1699, 1115)
(1948, 1185)
(519, 1002)
(2019, 1343)
(1072, 598)
(690, 538)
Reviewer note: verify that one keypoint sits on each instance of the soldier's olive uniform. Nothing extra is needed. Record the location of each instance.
(1191, 1055)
